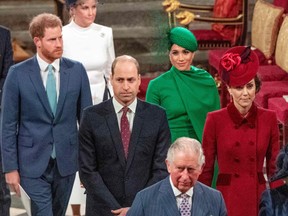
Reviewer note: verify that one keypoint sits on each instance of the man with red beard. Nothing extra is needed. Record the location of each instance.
(43, 98)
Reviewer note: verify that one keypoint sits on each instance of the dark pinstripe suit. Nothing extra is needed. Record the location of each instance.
(159, 200)
(6, 60)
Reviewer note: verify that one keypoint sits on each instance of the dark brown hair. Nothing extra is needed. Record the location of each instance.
(258, 83)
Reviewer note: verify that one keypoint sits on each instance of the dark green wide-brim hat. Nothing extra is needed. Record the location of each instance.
(182, 37)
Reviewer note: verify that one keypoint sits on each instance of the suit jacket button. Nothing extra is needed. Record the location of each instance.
(237, 160)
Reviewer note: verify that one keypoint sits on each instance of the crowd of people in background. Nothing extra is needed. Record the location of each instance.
(74, 132)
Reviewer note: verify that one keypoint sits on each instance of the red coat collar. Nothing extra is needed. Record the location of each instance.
(236, 117)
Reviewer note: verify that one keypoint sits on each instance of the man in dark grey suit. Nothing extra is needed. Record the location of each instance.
(39, 136)
(6, 60)
(111, 169)
(180, 193)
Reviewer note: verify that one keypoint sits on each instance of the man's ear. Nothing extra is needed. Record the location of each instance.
(168, 165)
(202, 167)
(37, 42)
(139, 77)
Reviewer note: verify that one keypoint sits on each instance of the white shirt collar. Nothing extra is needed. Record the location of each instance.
(119, 106)
(43, 64)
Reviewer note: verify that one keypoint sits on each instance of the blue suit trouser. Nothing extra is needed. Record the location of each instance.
(50, 192)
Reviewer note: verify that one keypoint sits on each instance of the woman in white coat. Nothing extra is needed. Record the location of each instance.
(91, 44)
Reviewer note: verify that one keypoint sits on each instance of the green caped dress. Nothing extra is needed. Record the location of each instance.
(187, 97)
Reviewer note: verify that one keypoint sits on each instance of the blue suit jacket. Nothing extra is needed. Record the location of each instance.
(6, 55)
(112, 181)
(159, 200)
(28, 127)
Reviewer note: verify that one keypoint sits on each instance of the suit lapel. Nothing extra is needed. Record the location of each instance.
(199, 201)
(36, 79)
(137, 125)
(167, 198)
(111, 119)
(64, 80)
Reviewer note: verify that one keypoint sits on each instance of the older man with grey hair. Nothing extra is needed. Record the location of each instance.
(180, 193)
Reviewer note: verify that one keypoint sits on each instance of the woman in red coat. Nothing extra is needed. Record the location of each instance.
(240, 136)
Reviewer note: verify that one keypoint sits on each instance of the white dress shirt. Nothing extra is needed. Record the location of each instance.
(44, 72)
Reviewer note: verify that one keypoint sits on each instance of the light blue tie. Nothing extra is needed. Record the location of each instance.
(52, 96)
(51, 89)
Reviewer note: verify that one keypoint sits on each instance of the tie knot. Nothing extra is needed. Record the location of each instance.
(125, 109)
(184, 196)
(50, 68)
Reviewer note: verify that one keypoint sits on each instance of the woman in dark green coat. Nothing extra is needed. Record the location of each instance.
(186, 92)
